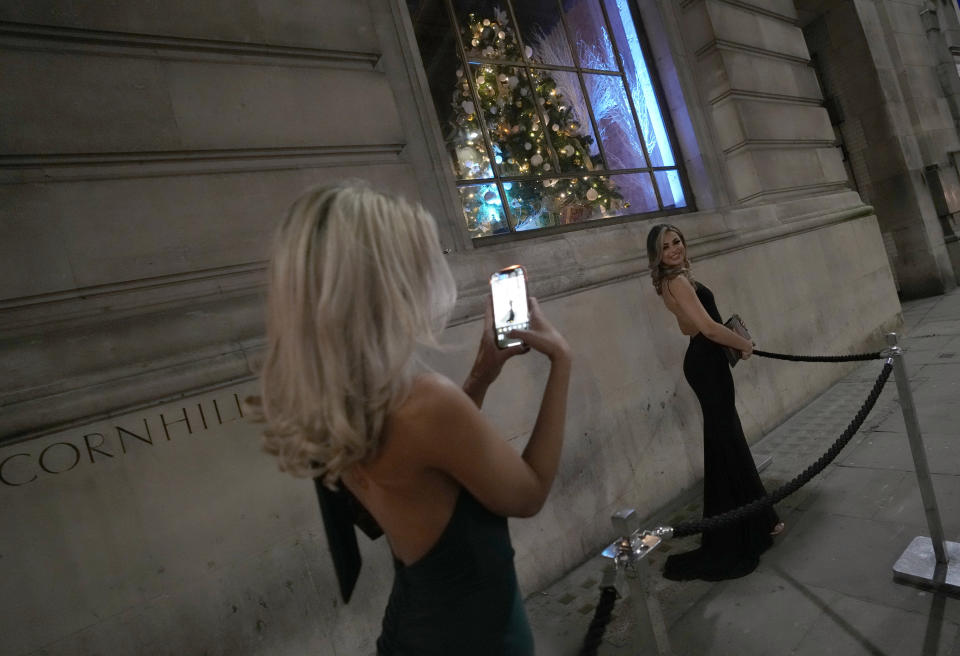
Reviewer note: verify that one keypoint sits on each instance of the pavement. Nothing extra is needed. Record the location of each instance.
(826, 586)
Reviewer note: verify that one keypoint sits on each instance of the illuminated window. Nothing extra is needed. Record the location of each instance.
(548, 110)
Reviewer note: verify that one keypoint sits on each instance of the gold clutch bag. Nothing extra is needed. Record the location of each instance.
(735, 323)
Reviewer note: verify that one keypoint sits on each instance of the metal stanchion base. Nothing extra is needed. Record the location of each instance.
(918, 565)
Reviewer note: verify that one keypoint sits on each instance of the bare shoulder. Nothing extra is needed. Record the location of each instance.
(679, 285)
(434, 402)
(431, 392)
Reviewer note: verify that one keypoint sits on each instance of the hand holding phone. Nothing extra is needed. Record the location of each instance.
(508, 290)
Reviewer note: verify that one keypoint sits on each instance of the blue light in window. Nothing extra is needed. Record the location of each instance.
(643, 95)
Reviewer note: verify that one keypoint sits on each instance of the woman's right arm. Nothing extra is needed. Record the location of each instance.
(691, 307)
(452, 435)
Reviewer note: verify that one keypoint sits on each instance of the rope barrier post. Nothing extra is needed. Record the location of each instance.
(649, 635)
(928, 561)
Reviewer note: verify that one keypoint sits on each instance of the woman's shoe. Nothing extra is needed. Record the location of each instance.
(778, 529)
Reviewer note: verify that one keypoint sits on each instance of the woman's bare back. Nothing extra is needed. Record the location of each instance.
(411, 501)
(686, 325)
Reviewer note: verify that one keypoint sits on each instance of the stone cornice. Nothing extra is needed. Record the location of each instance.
(24, 36)
(752, 7)
(74, 167)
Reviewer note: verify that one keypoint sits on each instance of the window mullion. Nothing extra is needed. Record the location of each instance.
(659, 95)
(528, 68)
(478, 112)
(552, 67)
(583, 86)
(627, 89)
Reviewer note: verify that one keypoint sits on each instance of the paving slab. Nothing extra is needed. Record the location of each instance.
(857, 492)
(936, 328)
(730, 622)
(853, 556)
(851, 627)
(947, 307)
(907, 507)
(891, 450)
(936, 399)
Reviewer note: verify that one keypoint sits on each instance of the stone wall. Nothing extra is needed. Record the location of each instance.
(166, 530)
(139, 515)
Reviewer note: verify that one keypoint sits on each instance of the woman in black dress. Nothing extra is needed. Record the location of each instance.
(730, 478)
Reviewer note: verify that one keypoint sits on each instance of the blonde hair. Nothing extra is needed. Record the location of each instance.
(658, 272)
(356, 280)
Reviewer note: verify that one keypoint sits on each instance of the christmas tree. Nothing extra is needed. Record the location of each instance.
(533, 130)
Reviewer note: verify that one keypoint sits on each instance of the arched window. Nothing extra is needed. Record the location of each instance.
(549, 112)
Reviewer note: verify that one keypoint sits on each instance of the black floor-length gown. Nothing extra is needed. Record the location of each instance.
(730, 477)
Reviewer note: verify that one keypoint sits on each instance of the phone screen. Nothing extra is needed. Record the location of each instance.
(508, 287)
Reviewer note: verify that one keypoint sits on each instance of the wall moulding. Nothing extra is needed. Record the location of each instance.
(23, 36)
(64, 371)
(111, 394)
(797, 190)
(760, 144)
(748, 94)
(721, 44)
(24, 315)
(755, 8)
(15, 169)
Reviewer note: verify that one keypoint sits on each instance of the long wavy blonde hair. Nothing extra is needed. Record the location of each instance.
(356, 280)
(658, 272)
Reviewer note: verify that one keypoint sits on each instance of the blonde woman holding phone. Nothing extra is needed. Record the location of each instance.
(357, 281)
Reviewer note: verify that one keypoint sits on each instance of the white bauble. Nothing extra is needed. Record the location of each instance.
(467, 155)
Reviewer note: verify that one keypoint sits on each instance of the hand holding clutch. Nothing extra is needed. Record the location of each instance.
(735, 323)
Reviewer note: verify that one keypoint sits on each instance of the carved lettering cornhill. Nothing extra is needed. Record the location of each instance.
(33, 465)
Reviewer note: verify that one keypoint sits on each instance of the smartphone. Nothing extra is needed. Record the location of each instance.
(508, 288)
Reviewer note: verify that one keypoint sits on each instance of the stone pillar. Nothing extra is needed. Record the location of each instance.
(753, 73)
(915, 117)
(876, 59)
